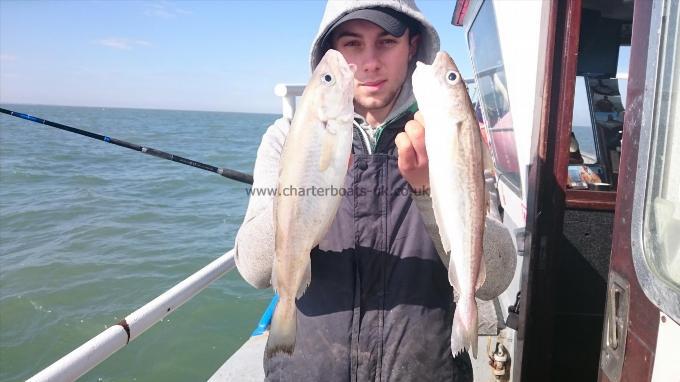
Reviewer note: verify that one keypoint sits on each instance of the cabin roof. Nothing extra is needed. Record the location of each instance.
(459, 12)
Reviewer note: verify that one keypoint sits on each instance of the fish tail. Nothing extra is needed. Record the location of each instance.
(282, 331)
(464, 330)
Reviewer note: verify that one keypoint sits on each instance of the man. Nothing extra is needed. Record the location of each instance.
(379, 305)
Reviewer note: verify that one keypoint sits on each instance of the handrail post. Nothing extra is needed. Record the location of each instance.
(288, 94)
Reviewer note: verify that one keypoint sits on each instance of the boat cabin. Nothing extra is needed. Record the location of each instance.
(579, 102)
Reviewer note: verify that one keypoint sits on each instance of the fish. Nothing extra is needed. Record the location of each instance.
(314, 163)
(459, 199)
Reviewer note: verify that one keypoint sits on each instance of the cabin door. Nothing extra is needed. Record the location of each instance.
(643, 290)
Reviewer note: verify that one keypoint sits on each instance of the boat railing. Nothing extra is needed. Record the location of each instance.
(93, 352)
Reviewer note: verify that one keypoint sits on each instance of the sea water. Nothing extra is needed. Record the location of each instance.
(90, 231)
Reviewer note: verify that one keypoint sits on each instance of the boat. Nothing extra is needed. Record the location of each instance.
(591, 206)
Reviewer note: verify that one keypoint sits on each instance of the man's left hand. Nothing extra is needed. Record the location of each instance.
(412, 161)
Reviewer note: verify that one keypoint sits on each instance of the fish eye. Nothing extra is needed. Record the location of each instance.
(328, 79)
(451, 77)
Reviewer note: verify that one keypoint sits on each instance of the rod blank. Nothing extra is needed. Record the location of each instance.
(225, 172)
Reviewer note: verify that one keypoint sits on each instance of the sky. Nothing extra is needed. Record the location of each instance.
(184, 55)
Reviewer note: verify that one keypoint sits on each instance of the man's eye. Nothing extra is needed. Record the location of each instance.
(388, 42)
(352, 43)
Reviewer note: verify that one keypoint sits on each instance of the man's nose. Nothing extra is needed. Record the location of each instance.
(371, 60)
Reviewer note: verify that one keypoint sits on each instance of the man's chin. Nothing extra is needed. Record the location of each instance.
(371, 103)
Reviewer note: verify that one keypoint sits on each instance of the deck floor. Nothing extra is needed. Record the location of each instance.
(246, 364)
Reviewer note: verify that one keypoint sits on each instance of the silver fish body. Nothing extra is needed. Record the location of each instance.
(314, 162)
(454, 147)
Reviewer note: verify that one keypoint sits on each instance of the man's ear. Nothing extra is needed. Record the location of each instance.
(413, 45)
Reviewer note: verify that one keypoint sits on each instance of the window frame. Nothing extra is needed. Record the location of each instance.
(514, 185)
(659, 291)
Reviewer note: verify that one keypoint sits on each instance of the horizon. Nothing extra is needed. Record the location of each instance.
(162, 55)
(3, 104)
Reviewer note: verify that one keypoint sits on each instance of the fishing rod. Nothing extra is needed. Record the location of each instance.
(225, 172)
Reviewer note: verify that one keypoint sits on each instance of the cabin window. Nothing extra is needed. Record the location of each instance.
(661, 221)
(493, 101)
(597, 127)
(582, 149)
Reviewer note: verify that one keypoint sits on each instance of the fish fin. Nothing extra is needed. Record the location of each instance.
(453, 276)
(327, 149)
(481, 276)
(446, 245)
(464, 329)
(273, 280)
(445, 242)
(472, 335)
(283, 328)
(307, 278)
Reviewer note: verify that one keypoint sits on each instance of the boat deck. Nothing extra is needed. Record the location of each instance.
(246, 364)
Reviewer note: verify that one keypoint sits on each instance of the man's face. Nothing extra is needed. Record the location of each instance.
(381, 59)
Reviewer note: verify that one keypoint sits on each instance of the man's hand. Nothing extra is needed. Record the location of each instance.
(412, 161)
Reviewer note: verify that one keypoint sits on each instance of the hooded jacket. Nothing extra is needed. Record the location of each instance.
(379, 306)
(427, 48)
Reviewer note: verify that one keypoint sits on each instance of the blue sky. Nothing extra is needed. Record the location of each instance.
(189, 55)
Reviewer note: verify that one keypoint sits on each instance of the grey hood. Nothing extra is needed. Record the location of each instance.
(427, 49)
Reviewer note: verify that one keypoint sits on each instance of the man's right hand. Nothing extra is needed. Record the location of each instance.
(412, 162)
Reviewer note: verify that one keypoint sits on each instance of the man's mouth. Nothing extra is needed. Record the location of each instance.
(373, 85)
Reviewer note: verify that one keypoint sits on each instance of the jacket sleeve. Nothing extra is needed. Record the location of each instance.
(254, 246)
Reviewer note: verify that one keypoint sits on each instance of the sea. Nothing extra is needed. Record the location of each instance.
(90, 232)
(586, 141)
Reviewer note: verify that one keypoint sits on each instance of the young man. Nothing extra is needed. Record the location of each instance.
(379, 306)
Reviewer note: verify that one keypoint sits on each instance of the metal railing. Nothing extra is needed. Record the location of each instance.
(93, 352)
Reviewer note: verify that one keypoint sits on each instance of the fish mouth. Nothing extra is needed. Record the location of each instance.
(444, 60)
